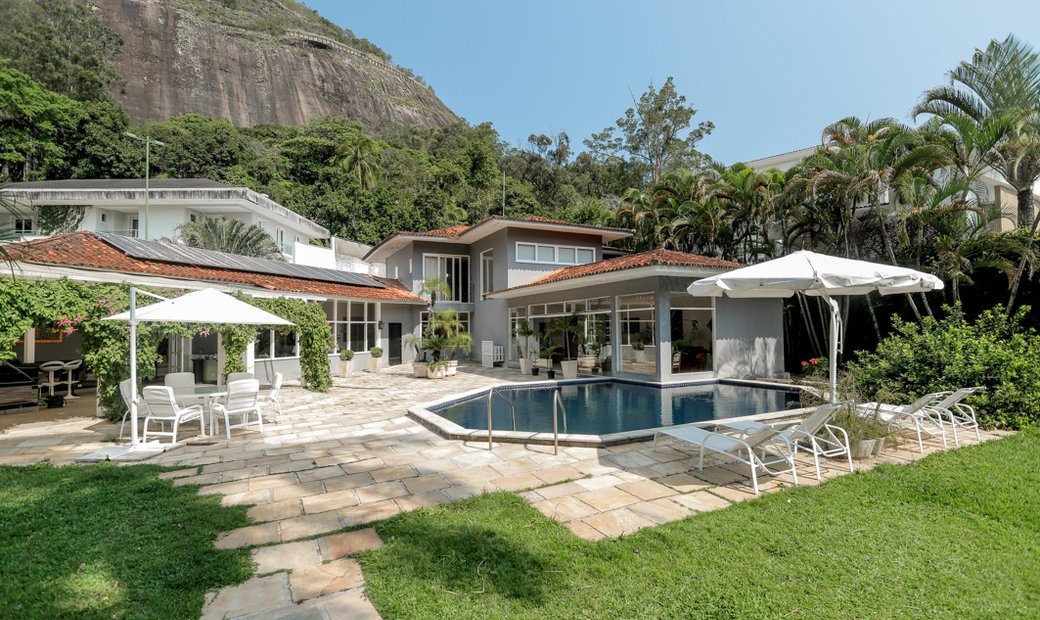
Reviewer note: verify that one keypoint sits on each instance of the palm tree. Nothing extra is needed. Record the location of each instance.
(359, 157)
(231, 236)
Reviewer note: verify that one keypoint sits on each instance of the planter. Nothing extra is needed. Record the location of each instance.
(419, 369)
(373, 364)
(439, 372)
(344, 367)
(453, 368)
(54, 402)
(639, 355)
(525, 366)
(863, 448)
(879, 445)
(570, 369)
(587, 362)
(551, 374)
(534, 371)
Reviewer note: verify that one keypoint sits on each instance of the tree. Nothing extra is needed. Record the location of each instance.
(654, 132)
(36, 125)
(359, 157)
(197, 147)
(231, 236)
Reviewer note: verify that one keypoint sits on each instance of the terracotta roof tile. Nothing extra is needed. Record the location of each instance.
(643, 259)
(460, 229)
(84, 250)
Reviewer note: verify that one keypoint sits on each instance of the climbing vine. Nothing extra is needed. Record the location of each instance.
(315, 337)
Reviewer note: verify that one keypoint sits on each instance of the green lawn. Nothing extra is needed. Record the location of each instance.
(110, 542)
(955, 535)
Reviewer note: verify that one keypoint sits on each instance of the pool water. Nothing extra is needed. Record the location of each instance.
(613, 407)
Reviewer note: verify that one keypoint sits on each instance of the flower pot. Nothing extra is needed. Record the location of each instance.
(640, 355)
(570, 369)
(550, 373)
(863, 448)
(373, 364)
(344, 367)
(525, 366)
(453, 368)
(439, 372)
(419, 369)
(879, 445)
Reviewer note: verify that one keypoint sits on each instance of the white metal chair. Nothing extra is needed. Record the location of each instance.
(242, 400)
(70, 367)
(50, 368)
(823, 439)
(270, 401)
(179, 380)
(142, 407)
(958, 413)
(163, 407)
(771, 449)
(238, 376)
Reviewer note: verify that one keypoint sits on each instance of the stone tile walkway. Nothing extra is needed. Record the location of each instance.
(351, 457)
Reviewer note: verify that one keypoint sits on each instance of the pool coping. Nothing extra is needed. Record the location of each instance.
(424, 414)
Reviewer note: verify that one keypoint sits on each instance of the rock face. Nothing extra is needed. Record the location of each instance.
(175, 62)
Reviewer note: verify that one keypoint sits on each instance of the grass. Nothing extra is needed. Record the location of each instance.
(954, 535)
(110, 542)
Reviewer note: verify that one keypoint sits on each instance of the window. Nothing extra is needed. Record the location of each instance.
(262, 345)
(284, 344)
(554, 254)
(135, 226)
(692, 333)
(452, 269)
(487, 272)
(425, 321)
(636, 319)
(356, 327)
(104, 218)
(23, 225)
(594, 352)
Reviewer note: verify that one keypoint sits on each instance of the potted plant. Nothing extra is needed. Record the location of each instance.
(639, 349)
(419, 366)
(573, 332)
(549, 350)
(864, 432)
(438, 369)
(460, 341)
(523, 334)
(373, 362)
(345, 362)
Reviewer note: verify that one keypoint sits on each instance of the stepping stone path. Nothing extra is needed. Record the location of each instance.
(314, 578)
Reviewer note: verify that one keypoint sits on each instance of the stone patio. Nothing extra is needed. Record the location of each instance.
(351, 457)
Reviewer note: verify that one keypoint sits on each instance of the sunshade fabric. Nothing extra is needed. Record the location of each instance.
(205, 306)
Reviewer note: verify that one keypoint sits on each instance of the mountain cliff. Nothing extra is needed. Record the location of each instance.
(257, 62)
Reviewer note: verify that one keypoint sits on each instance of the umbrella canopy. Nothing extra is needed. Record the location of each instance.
(815, 274)
(819, 275)
(206, 306)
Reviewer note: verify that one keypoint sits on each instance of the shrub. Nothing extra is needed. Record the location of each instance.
(346, 354)
(997, 352)
(377, 352)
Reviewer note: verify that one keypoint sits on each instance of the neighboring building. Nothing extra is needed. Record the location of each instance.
(995, 190)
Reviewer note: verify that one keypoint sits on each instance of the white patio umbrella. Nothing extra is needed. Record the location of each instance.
(206, 306)
(818, 275)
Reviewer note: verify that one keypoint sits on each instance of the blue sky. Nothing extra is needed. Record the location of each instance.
(769, 74)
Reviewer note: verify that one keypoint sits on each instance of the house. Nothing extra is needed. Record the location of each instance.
(118, 206)
(637, 318)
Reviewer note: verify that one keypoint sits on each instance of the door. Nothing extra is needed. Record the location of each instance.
(394, 354)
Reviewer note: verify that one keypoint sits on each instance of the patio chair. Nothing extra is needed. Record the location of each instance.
(917, 417)
(179, 380)
(238, 376)
(271, 399)
(242, 400)
(957, 413)
(163, 407)
(811, 433)
(765, 441)
(142, 407)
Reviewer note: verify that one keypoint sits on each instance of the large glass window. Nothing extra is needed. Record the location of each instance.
(593, 352)
(554, 254)
(356, 326)
(636, 319)
(272, 344)
(262, 345)
(424, 319)
(452, 269)
(284, 344)
(692, 333)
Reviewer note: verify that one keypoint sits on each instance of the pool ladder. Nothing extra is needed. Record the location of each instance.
(557, 406)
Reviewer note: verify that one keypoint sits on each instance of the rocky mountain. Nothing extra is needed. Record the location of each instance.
(257, 62)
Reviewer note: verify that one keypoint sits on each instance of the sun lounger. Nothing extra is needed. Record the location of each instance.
(811, 433)
(917, 416)
(771, 449)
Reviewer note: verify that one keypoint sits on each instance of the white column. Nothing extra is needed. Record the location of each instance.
(379, 333)
(29, 346)
(221, 358)
(251, 357)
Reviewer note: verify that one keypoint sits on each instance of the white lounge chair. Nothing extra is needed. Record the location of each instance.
(823, 439)
(917, 416)
(238, 376)
(765, 441)
(949, 405)
(163, 407)
(241, 401)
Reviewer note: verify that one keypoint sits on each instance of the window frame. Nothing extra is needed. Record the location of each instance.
(483, 280)
(538, 247)
(459, 294)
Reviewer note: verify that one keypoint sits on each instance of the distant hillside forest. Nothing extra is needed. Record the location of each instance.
(643, 172)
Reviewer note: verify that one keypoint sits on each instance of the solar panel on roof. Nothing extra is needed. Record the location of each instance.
(183, 255)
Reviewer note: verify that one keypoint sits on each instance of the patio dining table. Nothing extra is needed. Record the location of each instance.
(202, 394)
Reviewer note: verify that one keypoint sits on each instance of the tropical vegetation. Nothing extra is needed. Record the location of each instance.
(229, 235)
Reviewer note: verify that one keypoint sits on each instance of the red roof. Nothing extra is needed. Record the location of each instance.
(643, 259)
(460, 229)
(84, 250)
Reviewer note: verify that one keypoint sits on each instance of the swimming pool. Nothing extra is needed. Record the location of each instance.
(612, 407)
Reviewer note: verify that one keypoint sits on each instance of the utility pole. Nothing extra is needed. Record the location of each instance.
(503, 191)
(148, 142)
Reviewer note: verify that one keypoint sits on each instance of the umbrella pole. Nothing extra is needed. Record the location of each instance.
(133, 367)
(833, 357)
